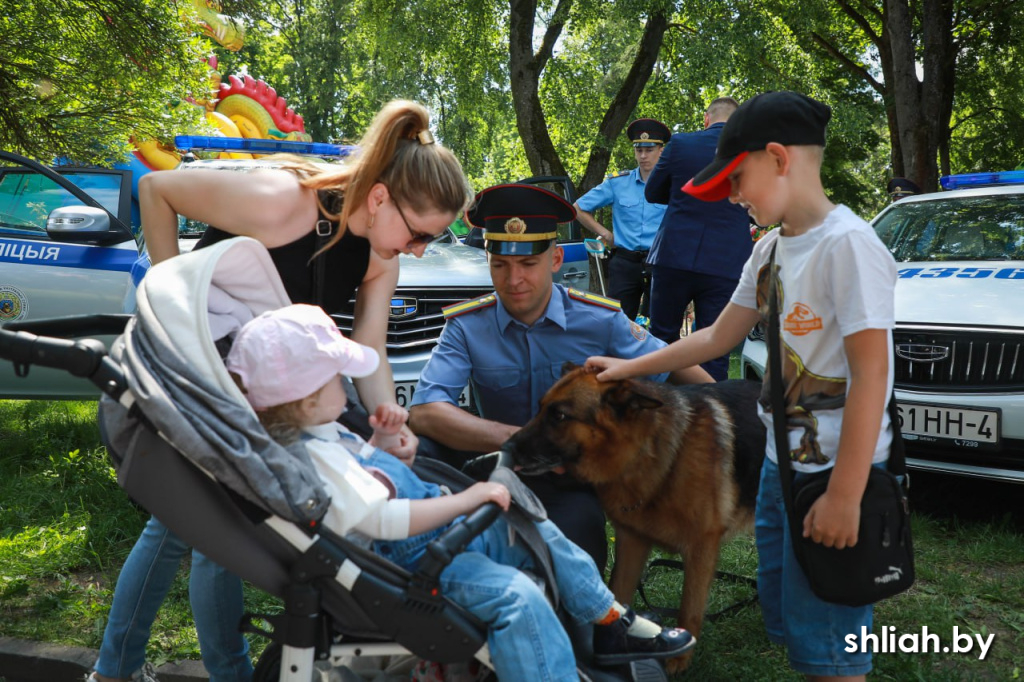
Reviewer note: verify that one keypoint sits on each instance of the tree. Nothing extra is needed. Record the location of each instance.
(77, 79)
(526, 68)
(914, 56)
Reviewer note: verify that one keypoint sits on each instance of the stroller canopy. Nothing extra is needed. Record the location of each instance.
(179, 382)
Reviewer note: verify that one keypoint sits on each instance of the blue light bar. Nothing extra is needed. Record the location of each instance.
(1014, 177)
(259, 146)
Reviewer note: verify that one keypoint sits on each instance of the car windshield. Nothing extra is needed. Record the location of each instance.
(983, 228)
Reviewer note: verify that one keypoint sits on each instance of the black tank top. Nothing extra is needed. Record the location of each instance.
(345, 265)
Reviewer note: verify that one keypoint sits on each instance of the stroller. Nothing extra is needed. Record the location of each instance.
(177, 428)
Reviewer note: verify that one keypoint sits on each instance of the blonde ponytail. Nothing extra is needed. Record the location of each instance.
(399, 151)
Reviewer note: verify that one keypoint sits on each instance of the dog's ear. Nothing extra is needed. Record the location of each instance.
(568, 366)
(631, 396)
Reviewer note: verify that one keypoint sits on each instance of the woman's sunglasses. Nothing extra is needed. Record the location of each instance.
(415, 236)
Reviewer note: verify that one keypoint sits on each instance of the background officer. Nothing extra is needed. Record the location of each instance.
(901, 187)
(700, 250)
(511, 345)
(635, 221)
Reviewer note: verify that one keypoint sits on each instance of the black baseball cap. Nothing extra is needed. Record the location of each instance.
(784, 117)
(647, 132)
(519, 220)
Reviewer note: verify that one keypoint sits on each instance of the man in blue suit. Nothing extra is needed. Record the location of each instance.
(700, 247)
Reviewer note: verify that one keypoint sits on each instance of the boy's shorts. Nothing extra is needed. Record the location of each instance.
(813, 630)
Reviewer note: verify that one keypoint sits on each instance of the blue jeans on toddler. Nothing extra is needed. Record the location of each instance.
(812, 630)
(525, 637)
(142, 585)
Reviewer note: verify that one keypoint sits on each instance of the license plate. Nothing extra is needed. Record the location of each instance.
(404, 391)
(962, 426)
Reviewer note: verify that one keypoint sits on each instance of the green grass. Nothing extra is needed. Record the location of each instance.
(65, 529)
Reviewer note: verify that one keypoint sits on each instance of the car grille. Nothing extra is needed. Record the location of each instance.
(959, 360)
(416, 319)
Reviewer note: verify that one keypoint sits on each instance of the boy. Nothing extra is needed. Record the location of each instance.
(835, 284)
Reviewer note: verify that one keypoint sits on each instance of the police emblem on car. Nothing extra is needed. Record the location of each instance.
(403, 307)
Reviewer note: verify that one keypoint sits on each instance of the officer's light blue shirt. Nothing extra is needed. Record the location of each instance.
(512, 365)
(635, 221)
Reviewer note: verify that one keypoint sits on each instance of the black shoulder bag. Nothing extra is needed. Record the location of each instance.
(881, 564)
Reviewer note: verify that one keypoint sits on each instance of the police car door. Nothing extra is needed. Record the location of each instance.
(66, 248)
(575, 270)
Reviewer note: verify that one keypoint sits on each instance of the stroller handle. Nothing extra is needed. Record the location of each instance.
(441, 551)
(82, 358)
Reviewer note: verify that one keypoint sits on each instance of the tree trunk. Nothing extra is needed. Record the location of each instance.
(525, 68)
(923, 108)
(625, 99)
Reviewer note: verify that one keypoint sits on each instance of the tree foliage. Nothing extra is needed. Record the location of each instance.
(535, 86)
(77, 77)
(925, 61)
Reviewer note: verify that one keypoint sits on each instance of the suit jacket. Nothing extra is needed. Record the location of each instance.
(711, 238)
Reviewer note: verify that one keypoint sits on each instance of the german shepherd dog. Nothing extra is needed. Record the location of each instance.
(676, 466)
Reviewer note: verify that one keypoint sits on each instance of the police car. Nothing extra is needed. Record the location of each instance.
(959, 336)
(67, 248)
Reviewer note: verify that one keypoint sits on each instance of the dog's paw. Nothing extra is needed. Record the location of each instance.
(674, 666)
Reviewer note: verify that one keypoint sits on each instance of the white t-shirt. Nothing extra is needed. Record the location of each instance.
(835, 280)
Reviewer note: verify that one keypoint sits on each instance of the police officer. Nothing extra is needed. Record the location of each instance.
(899, 188)
(510, 346)
(699, 252)
(635, 221)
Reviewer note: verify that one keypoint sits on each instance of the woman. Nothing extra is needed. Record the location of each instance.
(330, 233)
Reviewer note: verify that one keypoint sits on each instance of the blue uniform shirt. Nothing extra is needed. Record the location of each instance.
(512, 365)
(635, 221)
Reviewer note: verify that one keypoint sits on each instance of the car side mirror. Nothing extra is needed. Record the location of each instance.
(83, 225)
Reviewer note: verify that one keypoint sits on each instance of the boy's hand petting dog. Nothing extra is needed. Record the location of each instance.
(482, 493)
(607, 369)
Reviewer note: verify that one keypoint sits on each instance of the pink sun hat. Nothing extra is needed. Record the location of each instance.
(292, 352)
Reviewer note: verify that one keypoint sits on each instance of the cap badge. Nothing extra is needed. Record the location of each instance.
(515, 226)
(645, 136)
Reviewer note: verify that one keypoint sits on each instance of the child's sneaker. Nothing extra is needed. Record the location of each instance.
(613, 645)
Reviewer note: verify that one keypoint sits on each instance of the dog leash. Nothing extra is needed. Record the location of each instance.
(711, 617)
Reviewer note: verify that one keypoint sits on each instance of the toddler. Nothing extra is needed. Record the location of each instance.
(289, 363)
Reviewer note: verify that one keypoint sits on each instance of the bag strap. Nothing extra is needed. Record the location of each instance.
(897, 453)
(778, 400)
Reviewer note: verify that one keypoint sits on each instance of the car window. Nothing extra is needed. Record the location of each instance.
(26, 199)
(985, 228)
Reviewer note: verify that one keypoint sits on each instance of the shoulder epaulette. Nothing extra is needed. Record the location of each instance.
(619, 174)
(588, 297)
(478, 303)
